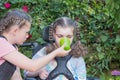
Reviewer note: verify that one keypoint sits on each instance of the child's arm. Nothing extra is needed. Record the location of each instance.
(42, 73)
(32, 74)
(24, 62)
(17, 75)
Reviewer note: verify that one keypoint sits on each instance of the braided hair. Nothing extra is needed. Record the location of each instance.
(13, 17)
(77, 49)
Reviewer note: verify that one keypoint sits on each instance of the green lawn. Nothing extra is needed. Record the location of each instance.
(109, 77)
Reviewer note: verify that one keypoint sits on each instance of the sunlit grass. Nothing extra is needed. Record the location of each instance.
(109, 77)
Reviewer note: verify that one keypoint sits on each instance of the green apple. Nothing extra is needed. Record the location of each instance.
(66, 42)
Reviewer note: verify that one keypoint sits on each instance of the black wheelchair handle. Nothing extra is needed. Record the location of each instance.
(26, 44)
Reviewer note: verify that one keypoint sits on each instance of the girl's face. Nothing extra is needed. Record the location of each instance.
(63, 32)
(22, 33)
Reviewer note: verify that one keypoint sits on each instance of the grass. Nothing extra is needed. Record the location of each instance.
(106, 75)
(109, 77)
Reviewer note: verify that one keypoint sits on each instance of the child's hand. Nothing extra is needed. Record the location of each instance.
(43, 74)
(61, 52)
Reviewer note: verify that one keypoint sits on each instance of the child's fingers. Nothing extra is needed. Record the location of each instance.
(63, 46)
(69, 50)
(43, 75)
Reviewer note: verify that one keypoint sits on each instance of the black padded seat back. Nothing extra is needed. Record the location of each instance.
(45, 35)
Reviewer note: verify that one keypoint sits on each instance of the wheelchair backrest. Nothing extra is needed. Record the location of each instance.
(60, 61)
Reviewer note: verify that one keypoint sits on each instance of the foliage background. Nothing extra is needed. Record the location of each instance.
(99, 22)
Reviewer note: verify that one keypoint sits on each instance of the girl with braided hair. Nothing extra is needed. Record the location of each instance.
(14, 29)
(63, 27)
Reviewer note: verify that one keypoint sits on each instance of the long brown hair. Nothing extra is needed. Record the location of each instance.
(77, 48)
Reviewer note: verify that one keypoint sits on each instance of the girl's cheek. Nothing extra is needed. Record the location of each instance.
(58, 44)
(71, 40)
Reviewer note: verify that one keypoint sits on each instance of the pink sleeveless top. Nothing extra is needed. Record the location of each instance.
(5, 48)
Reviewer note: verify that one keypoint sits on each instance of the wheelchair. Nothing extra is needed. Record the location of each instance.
(35, 47)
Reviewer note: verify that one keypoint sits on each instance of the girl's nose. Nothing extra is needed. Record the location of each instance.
(29, 36)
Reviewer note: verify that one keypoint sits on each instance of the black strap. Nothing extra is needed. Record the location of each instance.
(61, 68)
(6, 69)
(3, 37)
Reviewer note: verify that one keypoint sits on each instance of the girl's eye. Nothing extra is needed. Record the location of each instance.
(60, 36)
(28, 33)
(70, 36)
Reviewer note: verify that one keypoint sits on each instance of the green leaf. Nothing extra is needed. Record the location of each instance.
(117, 40)
(40, 40)
(2, 8)
(103, 38)
(101, 56)
(99, 49)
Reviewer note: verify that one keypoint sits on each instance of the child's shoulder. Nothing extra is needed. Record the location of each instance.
(77, 58)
